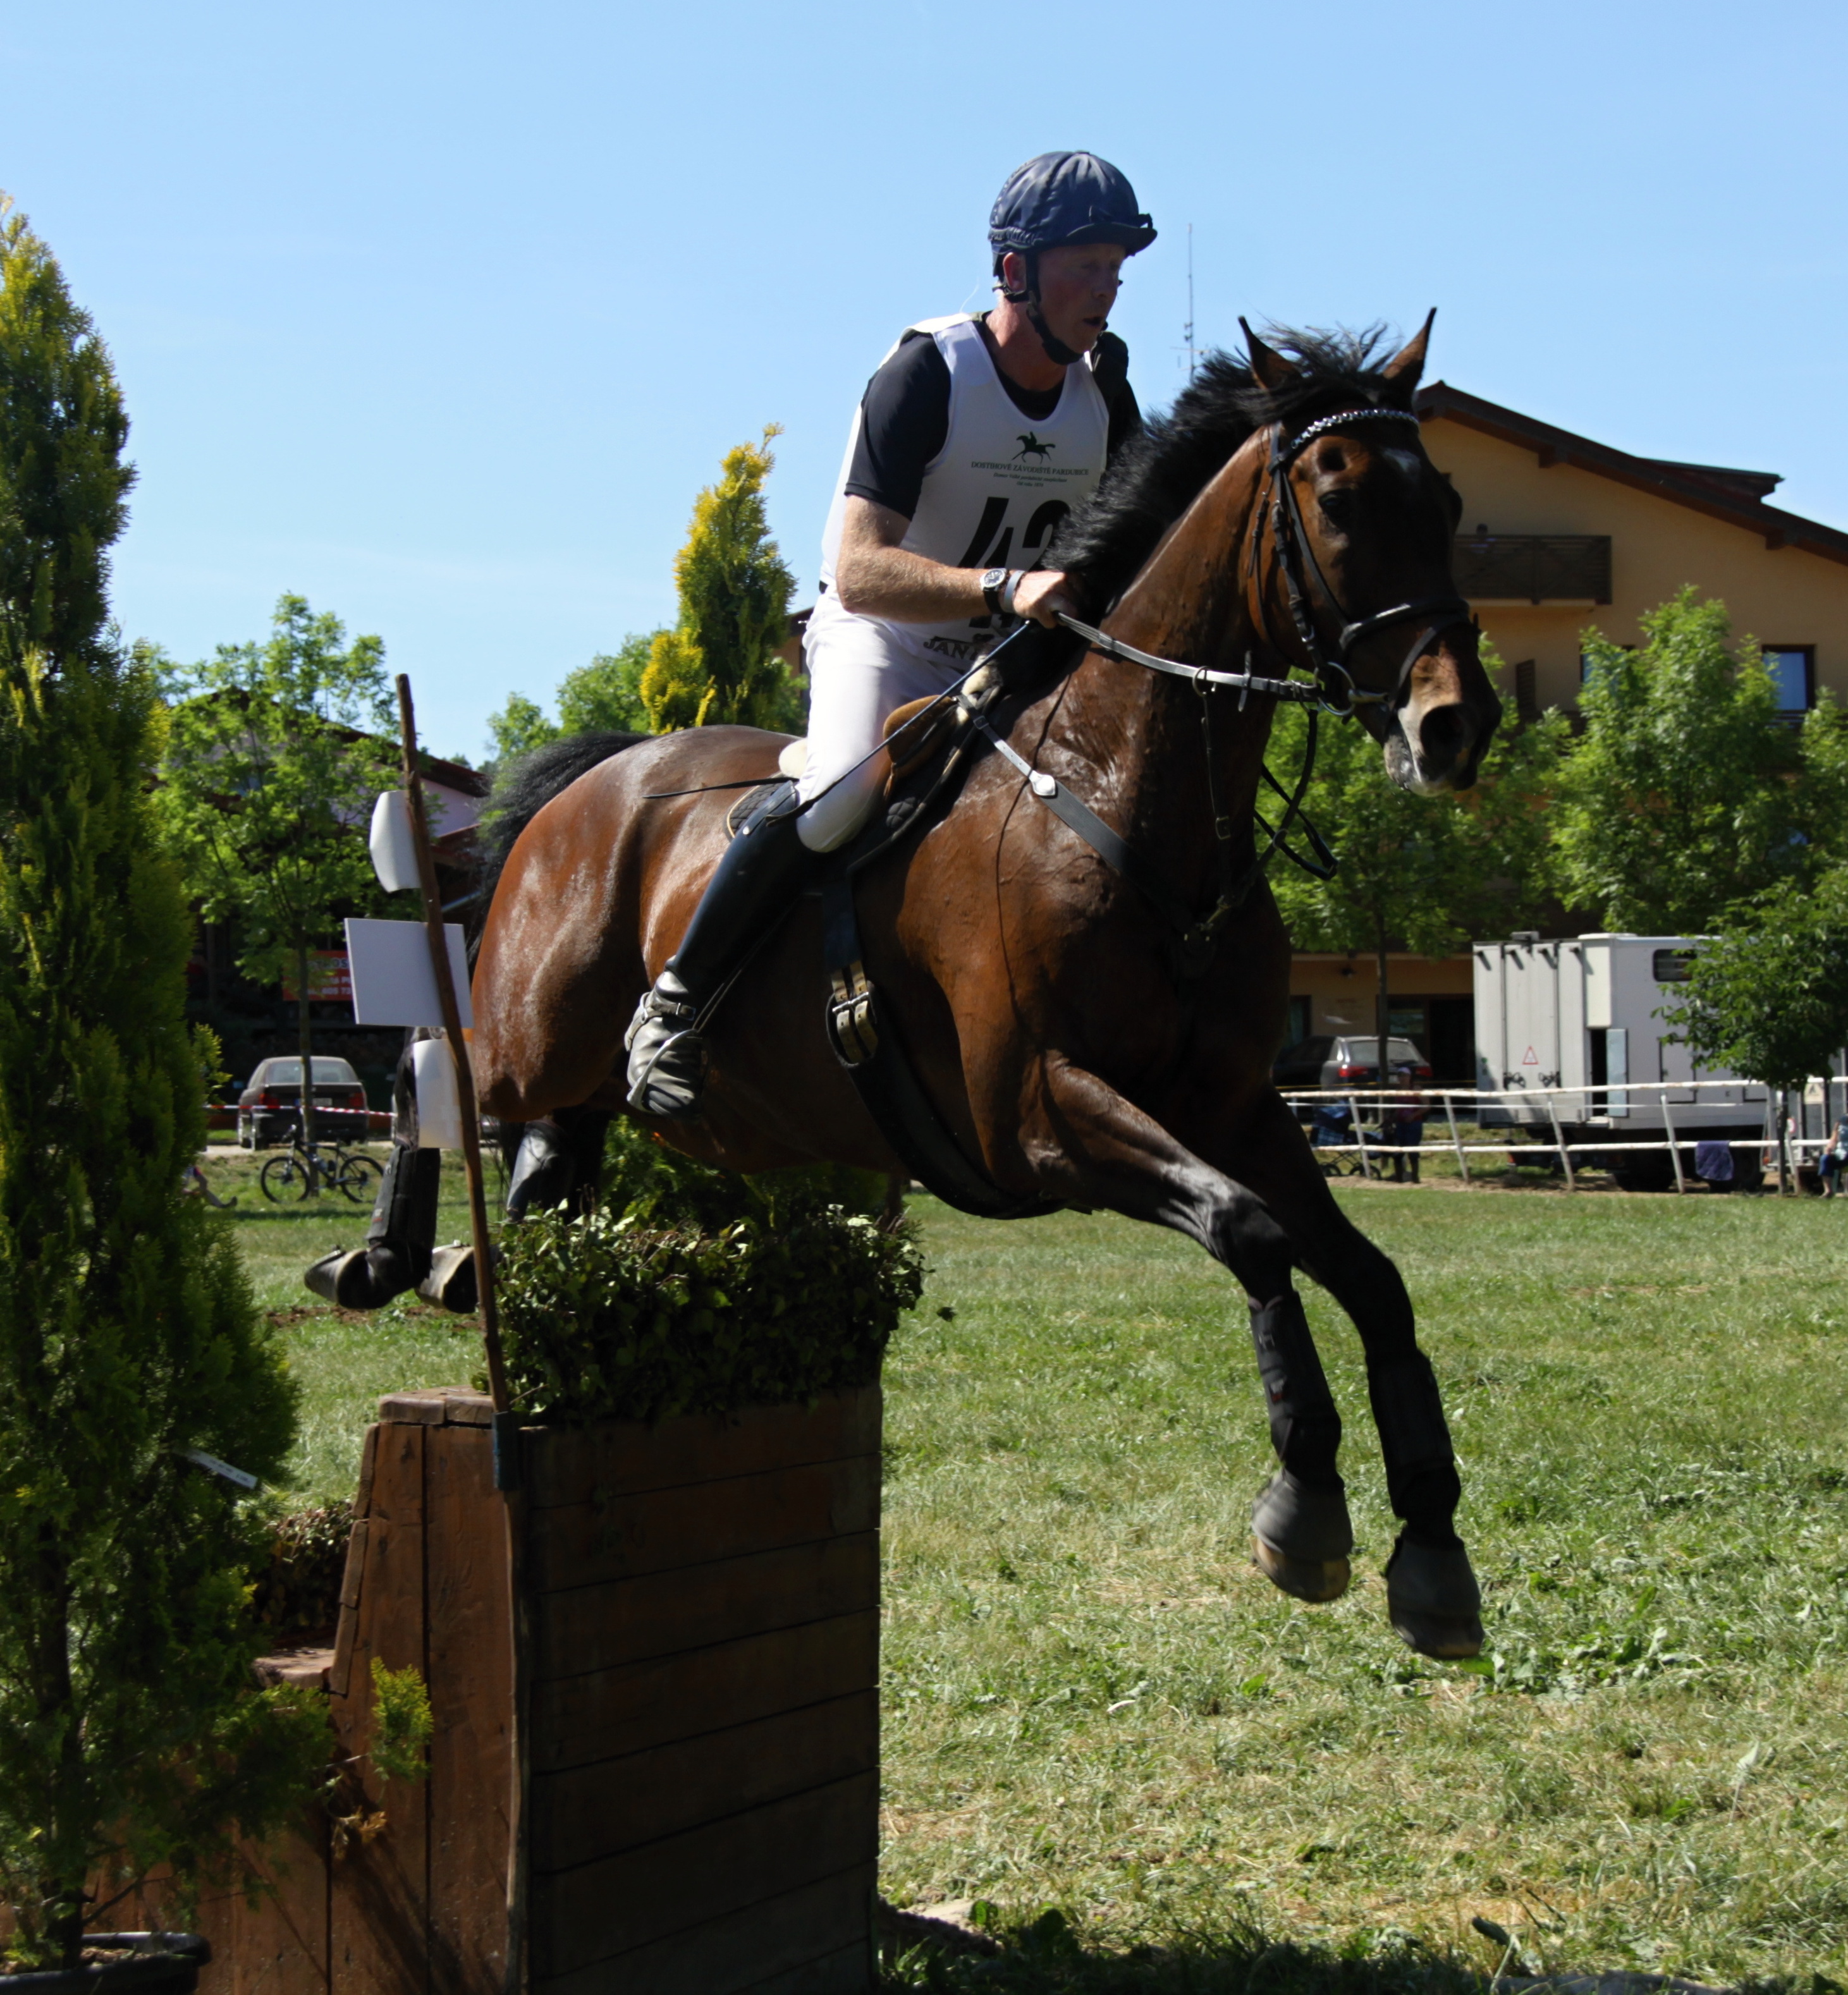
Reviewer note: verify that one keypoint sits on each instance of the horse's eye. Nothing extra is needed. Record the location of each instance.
(1337, 510)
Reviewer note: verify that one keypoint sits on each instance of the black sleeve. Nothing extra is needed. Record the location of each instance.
(1111, 368)
(904, 422)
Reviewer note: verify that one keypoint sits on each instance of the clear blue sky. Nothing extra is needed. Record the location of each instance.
(440, 315)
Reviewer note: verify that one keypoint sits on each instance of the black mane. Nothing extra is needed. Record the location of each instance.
(1154, 480)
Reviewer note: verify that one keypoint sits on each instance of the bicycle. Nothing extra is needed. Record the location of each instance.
(302, 1167)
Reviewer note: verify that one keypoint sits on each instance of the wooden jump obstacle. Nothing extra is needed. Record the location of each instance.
(698, 1812)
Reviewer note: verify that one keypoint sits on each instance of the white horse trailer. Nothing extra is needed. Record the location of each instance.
(1584, 1014)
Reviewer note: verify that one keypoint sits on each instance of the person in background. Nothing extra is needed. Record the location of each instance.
(1829, 1164)
(1713, 1165)
(1404, 1120)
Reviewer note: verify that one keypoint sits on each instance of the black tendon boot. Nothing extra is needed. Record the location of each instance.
(1300, 1525)
(398, 1243)
(755, 882)
(1431, 1592)
(545, 1171)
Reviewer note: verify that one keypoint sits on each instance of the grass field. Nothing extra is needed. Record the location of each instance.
(1096, 1708)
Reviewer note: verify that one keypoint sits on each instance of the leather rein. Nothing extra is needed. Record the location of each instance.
(1332, 691)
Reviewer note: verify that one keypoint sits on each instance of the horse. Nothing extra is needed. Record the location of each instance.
(1282, 515)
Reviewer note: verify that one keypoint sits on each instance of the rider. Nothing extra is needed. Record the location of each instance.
(974, 439)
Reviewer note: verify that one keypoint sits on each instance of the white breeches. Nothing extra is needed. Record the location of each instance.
(858, 674)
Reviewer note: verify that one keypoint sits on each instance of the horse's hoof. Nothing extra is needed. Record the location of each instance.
(365, 1279)
(1301, 1537)
(450, 1283)
(1434, 1603)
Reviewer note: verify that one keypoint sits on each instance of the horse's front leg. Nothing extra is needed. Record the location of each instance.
(1089, 1145)
(1431, 1590)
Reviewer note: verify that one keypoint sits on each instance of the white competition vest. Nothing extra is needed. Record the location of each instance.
(996, 491)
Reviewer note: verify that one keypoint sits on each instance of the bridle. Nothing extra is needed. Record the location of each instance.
(1332, 691)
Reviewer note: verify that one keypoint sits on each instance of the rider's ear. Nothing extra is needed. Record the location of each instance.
(1269, 367)
(1404, 369)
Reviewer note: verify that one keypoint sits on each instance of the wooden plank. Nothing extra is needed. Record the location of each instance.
(616, 1537)
(586, 1812)
(621, 1457)
(601, 1627)
(849, 1972)
(279, 1946)
(686, 1882)
(379, 1922)
(576, 1720)
(470, 1679)
(782, 1934)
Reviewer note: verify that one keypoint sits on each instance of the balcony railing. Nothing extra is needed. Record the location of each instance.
(1533, 568)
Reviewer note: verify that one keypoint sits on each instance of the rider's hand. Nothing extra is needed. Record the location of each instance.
(1041, 594)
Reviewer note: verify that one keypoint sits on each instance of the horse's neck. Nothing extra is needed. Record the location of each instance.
(1147, 728)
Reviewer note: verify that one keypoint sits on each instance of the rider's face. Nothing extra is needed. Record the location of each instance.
(1078, 287)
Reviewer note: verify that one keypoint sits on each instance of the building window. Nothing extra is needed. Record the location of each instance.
(1793, 671)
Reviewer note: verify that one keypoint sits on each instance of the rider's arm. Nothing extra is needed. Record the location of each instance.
(874, 576)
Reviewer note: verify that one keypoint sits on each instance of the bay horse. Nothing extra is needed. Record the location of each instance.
(1282, 516)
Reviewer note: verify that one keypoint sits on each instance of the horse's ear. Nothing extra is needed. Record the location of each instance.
(1268, 367)
(1405, 367)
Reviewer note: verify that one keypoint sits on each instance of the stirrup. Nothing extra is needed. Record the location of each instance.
(667, 1067)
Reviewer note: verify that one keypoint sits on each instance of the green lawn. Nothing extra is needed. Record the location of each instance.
(1094, 1705)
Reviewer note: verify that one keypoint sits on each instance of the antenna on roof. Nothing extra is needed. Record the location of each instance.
(1190, 333)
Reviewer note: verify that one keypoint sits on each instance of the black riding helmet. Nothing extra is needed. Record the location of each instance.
(1059, 201)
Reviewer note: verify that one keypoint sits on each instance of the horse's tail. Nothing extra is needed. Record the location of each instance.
(522, 788)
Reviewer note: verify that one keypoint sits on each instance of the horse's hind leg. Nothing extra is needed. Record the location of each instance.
(1431, 1591)
(1092, 1145)
(559, 1162)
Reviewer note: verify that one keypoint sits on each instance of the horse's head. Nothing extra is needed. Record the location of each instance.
(1361, 523)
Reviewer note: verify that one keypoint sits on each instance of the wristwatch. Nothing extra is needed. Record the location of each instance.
(997, 591)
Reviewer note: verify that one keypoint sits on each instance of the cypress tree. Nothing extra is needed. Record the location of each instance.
(719, 664)
(130, 1730)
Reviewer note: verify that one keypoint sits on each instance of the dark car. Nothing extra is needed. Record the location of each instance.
(1322, 1061)
(272, 1099)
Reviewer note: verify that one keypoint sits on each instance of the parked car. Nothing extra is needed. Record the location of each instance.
(272, 1099)
(1324, 1061)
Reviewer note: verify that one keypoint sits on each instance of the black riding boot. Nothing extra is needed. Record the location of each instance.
(757, 878)
(398, 1243)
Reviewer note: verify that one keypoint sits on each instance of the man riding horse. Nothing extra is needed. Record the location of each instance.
(929, 551)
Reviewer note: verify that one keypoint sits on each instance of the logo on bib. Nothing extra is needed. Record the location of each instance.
(1031, 446)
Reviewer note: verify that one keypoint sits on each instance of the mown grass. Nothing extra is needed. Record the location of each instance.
(1095, 1704)
(1159, 1774)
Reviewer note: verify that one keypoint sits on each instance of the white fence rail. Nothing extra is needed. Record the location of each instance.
(1797, 1143)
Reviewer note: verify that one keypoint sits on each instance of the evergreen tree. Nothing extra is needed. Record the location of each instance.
(1428, 874)
(131, 1732)
(719, 663)
(267, 790)
(1687, 791)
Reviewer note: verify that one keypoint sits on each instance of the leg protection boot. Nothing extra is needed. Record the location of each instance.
(544, 1172)
(1300, 1532)
(396, 1254)
(756, 880)
(1432, 1597)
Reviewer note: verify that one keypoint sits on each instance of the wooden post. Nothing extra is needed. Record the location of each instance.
(505, 1441)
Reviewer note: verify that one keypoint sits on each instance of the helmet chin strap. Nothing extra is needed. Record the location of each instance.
(1056, 351)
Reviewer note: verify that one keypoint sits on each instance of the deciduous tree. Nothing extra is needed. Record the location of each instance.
(1430, 873)
(267, 788)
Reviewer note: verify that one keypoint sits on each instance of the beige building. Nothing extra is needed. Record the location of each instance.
(1561, 534)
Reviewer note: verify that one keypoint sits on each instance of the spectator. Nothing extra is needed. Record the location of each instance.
(1404, 1122)
(1829, 1164)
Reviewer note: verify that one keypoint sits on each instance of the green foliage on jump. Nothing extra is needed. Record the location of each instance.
(1686, 792)
(692, 1290)
(1425, 873)
(719, 665)
(131, 1731)
(273, 759)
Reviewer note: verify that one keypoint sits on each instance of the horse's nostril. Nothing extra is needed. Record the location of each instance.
(1443, 734)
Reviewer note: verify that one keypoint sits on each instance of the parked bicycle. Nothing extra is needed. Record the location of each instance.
(303, 1168)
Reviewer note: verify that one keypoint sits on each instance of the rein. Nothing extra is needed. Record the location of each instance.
(1332, 690)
